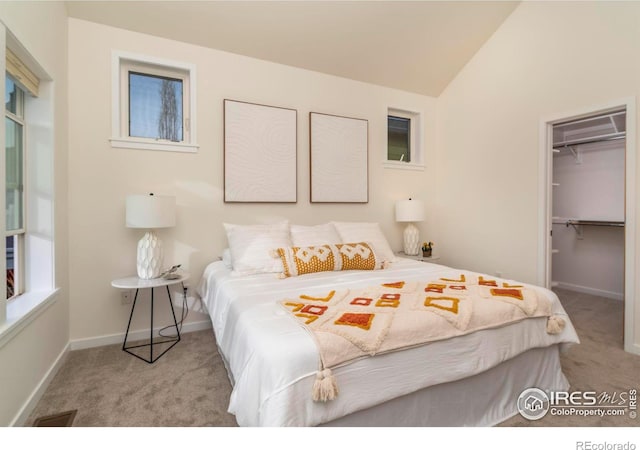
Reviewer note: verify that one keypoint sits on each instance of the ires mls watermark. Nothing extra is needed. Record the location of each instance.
(534, 403)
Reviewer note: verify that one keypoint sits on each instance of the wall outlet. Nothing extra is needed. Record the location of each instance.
(125, 297)
(499, 273)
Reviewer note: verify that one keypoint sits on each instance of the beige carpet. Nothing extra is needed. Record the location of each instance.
(598, 364)
(188, 386)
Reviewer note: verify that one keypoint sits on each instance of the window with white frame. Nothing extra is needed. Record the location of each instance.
(399, 139)
(14, 181)
(404, 140)
(153, 104)
(29, 135)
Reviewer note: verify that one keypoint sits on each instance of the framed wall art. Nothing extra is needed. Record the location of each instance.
(260, 146)
(338, 160)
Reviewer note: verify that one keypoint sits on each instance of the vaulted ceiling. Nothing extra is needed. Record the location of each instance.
(416, 46)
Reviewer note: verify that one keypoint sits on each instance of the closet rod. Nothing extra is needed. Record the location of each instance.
(598, 223)
(608, 137)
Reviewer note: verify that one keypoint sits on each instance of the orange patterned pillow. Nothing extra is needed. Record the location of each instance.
(326, 258)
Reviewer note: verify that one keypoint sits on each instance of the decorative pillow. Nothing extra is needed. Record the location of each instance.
(326, 258)
(366, 232)
(307, 236)
(250, 246)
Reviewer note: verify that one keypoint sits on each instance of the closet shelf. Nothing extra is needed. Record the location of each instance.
(603, 127)
(590, 140)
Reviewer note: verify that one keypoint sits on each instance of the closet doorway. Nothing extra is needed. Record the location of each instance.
(589, 179)
(588, 205)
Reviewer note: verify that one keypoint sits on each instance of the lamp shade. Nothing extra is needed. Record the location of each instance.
(409, 211)
(151, 211)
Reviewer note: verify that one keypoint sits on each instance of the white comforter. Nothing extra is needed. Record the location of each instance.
(273, 361)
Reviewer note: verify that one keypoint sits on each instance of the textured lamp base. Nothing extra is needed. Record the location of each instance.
(150, 254)
(411, 240)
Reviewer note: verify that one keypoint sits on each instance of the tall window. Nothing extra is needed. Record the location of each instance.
(399, 139)
(404, 140)
(15, 170)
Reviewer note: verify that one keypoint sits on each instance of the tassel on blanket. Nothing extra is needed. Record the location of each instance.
(325, 387)
(555, 324)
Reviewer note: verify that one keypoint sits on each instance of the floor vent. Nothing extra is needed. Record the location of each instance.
(64, 419)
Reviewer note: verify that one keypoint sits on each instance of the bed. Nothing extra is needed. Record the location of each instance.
(470, 380)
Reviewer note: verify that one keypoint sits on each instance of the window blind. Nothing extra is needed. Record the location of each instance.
(21, 73)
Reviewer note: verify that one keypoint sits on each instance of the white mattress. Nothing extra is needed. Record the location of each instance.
(272, 360)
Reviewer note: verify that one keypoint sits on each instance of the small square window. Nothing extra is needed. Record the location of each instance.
(155, 107)
(152, 103)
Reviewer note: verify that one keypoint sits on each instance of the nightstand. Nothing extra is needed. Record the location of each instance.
(137, 284)
(418, 257)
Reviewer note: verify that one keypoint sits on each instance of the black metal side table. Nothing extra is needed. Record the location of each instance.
(137, 284)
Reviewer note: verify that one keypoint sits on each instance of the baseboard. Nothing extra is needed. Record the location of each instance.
(633, 348)
(587, 290)
(28, 407)
(99, 341)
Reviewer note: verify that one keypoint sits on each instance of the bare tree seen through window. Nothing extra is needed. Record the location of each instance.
(155, 107)
(168, 125)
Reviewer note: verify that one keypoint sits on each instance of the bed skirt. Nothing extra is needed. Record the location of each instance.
(485, 399)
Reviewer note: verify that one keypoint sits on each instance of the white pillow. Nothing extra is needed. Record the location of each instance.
(226, 258)
(251, 246)
(366, 232)
(312, 236)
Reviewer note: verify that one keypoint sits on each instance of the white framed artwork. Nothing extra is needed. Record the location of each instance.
(260, 148)
(339, 159)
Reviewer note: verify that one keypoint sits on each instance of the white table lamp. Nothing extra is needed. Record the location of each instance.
(410, 211)
(150, 211)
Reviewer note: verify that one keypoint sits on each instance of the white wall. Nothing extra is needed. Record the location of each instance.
(594, 264)
(590, 188)
(41, 27)
(100, 176)
(546, 58)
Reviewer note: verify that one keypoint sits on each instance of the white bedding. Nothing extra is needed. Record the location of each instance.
(273, 361)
